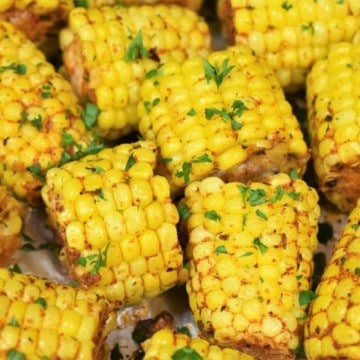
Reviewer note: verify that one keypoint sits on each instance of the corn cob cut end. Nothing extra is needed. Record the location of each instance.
(332, 329)
(12, 214)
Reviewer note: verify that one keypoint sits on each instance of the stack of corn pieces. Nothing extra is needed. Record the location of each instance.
(213, 196)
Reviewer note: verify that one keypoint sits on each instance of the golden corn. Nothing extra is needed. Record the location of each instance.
(41, 119)
(251, 261)
(117, 223)
(12, 213)
(166, 344)
(192, 4)
(40, 20)
(109, 51)
(333, 113)
(41, 319)
(332, 330)
(291, 35)
(224, 115)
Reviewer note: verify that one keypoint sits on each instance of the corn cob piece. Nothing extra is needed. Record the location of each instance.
(225, 115)
(12, 213)
(117, 223)
(333, 115)
(165, 344)
(332, 330)
(108, 51)
(192, 4)
(251, 261)
(41, 118)
(291, 35)
(40, 20)
(42, 319)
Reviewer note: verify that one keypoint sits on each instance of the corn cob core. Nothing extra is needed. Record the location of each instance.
(12, 213)
(117, 223)
(290, 35)
(332, 330)
(108, 51)
(251, 255)
(40, 20)
(40, 121)
(333, 116)
(225, 115)
(165, 343)
(41, 318)
(192, 4)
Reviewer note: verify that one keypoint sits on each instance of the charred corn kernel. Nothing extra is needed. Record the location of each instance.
(12, 213)
(333, 124)
(40, 114)
(119, 235)
(332, 328)
(165, 343)
(244, 286)
(289, 35)
(39, 20)
(218, 122)
(38, 323)
(108, 52)
(192, 4)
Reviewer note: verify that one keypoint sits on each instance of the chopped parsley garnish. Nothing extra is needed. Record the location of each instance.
(96, 169)
(36, 171)
(278, 195)
(154, 72)
(17, 68)
(202, 159)
(256, 197)
(13, 354)
(299, 277)
(308, 27)
(166, 160)
(67, 139)
(186, 353)
(37, 122)
(183, 330)
(213, 72)
(185, 171)
(246, 254)
(100, 193)
(81, 3)
(148, 105)
(212, 215)
(136, 49)
(355, 226)
(191, 112)
(262, 247)
(130, 162)
(93, 148)
(41, 301)
(13, 322)
(90, 115)
(286, 5)
(357, 271)
(95, 260)
(183, 211)
(294, 174)
(15, 268)
(46, 91)
(221, 250)
(306, 296)
(260, 214)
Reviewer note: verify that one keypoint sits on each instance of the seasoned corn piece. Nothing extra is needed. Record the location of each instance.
(117, 223)
(251, 260)
(41, 319)
(332, 330)
(224, 115)
(41, 119)
(12, 213)
(165, 345)
(108, 52)
(291, 35)
(40, 20)
(333, 117)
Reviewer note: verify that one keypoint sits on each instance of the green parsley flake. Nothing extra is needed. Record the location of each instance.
(191, 112)
(183, 211)
(15, 355)
(130, 162)
(286, 5)
(212, 215)
(260, 214)
(262, 247)
(357, 271)
(154, 72)
(221, 250)
(41, 301)
(213, 72)
(36, 171)
(90, 115)
(186, 353)
(136, 49)
(67, 139)
(306, 297)
(81, 3)
(17, 68)
(185, 172)
(202, 159)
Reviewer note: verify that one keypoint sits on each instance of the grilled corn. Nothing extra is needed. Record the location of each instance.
(224, 115)
(41, 118)
(117, 223)
(333, 328)
(107, 53)
(41, 319)
(291, 35)
(251, 261)
(12, 213)
(165, 345)
(192, 4)
(40, 20)
(333, 114)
